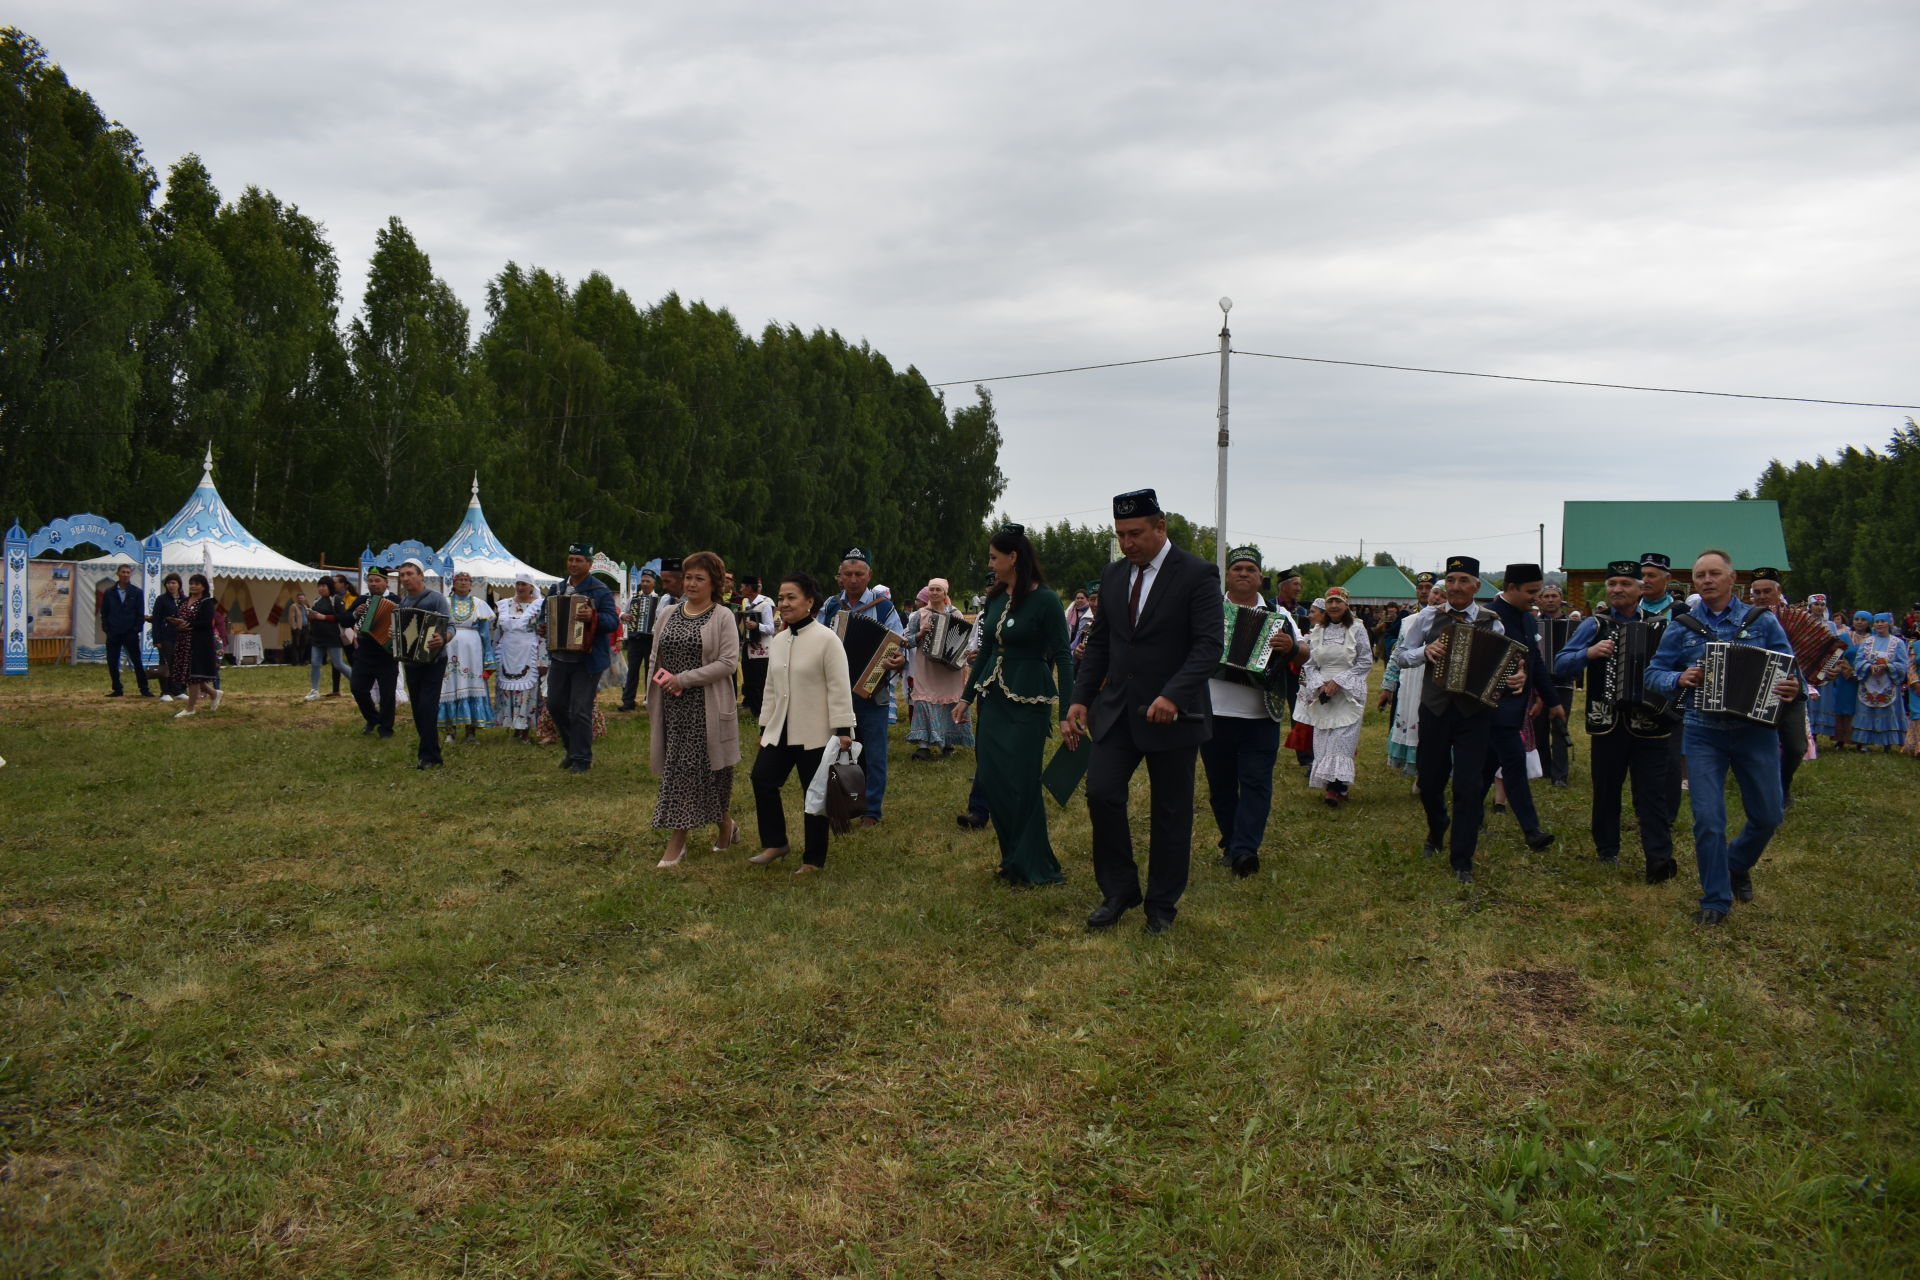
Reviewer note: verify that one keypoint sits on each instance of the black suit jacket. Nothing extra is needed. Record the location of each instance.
(1524, 627)
(1170, 653)
(118, 617)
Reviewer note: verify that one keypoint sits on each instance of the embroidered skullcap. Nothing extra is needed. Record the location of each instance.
(1318, 604)
(1285, 574)
(580, 549)
(1337, 593)
(670, 564)
(1463, 564)
(1427, 579)
(1624, 569)
(1141, 502)
(1767, 575)
(1655, 559)
(857, 553)
(1519, 575)
(1817, 598)
(1238, 554)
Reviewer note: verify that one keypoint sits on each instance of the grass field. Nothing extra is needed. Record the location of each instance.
(277, 1005)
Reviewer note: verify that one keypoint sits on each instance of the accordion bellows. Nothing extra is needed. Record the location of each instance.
(1818, 652)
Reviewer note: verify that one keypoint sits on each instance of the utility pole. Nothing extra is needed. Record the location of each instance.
(1543, 546)
(1220, 492)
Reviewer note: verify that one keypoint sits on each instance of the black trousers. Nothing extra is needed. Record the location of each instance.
(375, 668)
(1550, 735)
(1508, 754)
(1453, 748)
(770, 770)
(129, 643)
(164, 643)
(1170, 839)
(638, 649)
(423, 694)
(754, 683)
(570, 692)
(1792, 727)
(1619, 756)
(1676, 771)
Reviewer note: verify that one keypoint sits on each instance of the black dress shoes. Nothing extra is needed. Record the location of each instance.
(1429, 850)
(1609, 859)
(1464, 877)
(1537, 839)
(1108, 913)
(972, 821)
(1247, 866)
(1743, 887)
(1158, 924)
(428, 764)
(1661, 872)
(1707, 915)
(369, 729)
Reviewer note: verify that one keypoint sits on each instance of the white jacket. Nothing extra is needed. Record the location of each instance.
(809, 692)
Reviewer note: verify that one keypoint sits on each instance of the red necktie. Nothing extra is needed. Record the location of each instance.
(1133, 597)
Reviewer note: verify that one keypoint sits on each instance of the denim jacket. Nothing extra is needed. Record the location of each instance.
(1682, 647)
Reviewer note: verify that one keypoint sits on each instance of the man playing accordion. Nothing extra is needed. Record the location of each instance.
(1717, 741)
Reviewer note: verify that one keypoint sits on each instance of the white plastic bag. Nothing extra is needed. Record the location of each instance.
(817, 789)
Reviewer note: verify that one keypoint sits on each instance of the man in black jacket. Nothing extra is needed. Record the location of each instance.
(1141, 693)
(1505, 752)
(123, 614)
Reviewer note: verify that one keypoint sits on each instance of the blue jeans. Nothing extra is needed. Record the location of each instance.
(1752, 751)
(870, 730)
(1239, 760)
(320, 656)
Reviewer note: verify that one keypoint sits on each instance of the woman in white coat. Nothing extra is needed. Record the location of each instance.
(808, 703)
(1333, 695)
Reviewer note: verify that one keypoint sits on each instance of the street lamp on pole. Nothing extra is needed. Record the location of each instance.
(1220, 491)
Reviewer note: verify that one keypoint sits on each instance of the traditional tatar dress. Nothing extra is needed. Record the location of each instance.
(517, 683)
(1341, 652)
(935, 689)
(1403, 739)
(1881, 718)
(464, 703)
(1840, 696)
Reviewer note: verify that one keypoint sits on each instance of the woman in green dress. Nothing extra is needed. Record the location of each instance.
(1021, 674)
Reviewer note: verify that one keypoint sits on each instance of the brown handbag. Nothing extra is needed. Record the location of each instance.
(846, 794)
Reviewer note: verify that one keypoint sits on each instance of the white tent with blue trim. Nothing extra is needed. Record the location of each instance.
(476, 550)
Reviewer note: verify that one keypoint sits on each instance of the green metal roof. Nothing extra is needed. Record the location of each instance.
(1592, 533)
(1379, 582)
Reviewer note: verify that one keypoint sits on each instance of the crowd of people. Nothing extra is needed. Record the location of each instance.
(1158, 662)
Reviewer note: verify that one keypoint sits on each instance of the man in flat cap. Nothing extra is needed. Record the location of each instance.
(573, 677)
(1627, 740)
(1454, 729)
(870, 715)
(1514, 607)
(1141, 694)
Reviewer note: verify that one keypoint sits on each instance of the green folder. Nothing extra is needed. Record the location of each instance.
(1064, 771)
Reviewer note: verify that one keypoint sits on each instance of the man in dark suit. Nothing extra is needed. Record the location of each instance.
(1141, 693)
(1505, 752)
(123, 613)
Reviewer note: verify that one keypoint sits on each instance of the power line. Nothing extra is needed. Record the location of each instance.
(1388, 542)
(1574, 382)
(1079, 368)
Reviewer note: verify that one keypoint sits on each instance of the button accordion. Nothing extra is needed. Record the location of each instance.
(1739, 680)
(641, 612)
(412, 628)
(1476, 663)
(1617, 690)
(1247, 639)
(946, 640)
(869, 643)
(569, 620)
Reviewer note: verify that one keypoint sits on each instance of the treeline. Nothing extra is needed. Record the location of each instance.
(141, 320)
(1853, 524)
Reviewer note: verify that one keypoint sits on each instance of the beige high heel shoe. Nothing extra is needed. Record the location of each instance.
(765, 856)
(733, 834)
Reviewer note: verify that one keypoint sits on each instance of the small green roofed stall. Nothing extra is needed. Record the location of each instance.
(1593, 533)
(1379, 584)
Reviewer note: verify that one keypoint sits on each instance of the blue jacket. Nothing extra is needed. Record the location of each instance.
(122, 617)
(606, 620)
(1682, 647)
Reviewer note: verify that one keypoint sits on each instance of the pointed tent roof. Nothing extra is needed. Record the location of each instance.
(476, 550)
(205, 531)
(1378, 584)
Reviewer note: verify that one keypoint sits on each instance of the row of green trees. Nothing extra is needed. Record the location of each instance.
(141, 321)
(1852, 524)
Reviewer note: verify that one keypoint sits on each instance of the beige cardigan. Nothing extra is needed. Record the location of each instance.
(719, 656)
(809, 692)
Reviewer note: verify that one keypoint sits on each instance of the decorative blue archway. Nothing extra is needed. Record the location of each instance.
(65, 534)
(438, 566)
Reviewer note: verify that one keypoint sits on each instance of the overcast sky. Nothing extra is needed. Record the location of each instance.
(1723, 196)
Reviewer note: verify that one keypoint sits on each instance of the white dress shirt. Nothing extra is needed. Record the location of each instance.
(1151, 574)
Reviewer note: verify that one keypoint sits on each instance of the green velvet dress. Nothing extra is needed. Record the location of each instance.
(1022, 674)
